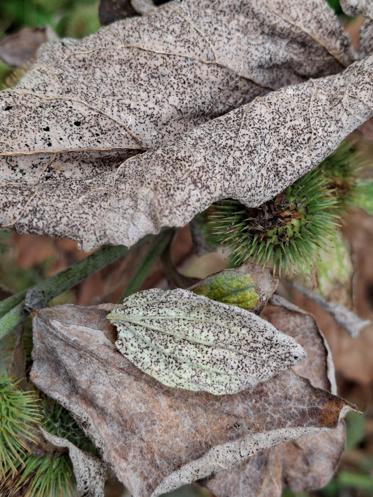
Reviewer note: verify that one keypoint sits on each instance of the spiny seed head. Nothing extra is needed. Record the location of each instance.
(287, 231)
(19, 417)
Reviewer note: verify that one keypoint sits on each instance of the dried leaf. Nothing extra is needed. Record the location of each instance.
(250, 154)
(200, 54)
(67, 111)
(343, 316)
(157, 438)
(189, 341)
(90, 473)
(18, 48)
(310, 461)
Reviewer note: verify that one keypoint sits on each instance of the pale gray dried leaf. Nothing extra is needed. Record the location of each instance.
(250, 154)
(308, 462)
(157, 438)
(18, 48)
(344, 317)
(143, 6)
(208, 57)
(189, 341)
(90, 473)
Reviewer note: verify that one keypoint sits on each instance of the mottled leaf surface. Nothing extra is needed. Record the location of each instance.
(207, 57)
(157, 438)
(189, 341)
(250, 154)
(310, 461)
(78, 104)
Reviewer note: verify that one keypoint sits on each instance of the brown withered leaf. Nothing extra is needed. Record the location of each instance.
(344, 317)
(250, 154)
(308, 462)
(352, 356)
(18, 48)
(157, 438)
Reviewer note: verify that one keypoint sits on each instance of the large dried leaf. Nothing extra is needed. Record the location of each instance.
(207, 57)
(189, 341)
(250, 154)
(310, 461)
(157, 438)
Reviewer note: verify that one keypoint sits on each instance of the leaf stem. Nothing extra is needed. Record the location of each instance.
(156, 248)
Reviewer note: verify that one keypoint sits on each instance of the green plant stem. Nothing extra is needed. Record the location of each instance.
(12, 319)
(157, 246)
(7, 304)
(39, 295)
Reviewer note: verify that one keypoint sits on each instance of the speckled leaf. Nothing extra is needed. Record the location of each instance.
(189, 341)
(310, 461)
(250, 154)
(157, 438)
(207, 57)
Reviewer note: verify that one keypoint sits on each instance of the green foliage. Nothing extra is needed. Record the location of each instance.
(289, 231)
(230, 287)
(335, 5)
(67, 17)
(355, 425)
(19, 417)
(341, 170)
(22, 469)
(45, 476)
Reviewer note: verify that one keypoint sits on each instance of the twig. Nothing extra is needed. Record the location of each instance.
(39, 295)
